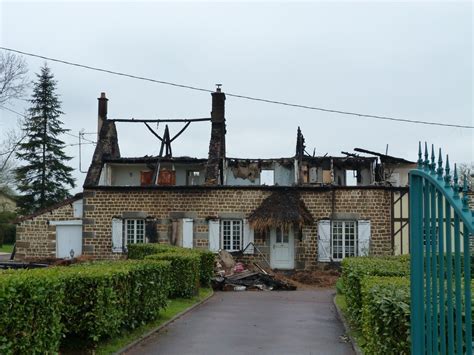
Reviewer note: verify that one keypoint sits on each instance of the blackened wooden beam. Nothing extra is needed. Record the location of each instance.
(161, 120)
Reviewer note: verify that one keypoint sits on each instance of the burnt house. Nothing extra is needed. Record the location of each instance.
(293, 212)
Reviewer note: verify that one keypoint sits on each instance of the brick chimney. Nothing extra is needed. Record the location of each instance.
(102, 112)
(217, 143)
(107, 146)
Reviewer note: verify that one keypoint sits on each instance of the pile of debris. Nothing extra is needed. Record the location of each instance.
(5, 265)
(235, 276)
(41, 262)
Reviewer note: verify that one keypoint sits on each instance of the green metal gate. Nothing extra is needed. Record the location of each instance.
(440, 228)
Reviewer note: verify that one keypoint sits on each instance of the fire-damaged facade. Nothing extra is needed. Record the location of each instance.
(294, 212)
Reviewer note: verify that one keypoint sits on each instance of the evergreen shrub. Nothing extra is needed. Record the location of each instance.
(354, 270)
(185, 271)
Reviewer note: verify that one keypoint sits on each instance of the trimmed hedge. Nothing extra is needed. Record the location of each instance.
(30, 313)
(385, 316)
(104, 297)
(207, 258)
(354, 270)
(139, 251)
(148, 293)
(92, 307)
(185, 271)
(377, 292)
(88, 301)
(206, 267)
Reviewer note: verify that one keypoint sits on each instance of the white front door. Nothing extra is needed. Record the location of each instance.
(68, 241)
(282, 246)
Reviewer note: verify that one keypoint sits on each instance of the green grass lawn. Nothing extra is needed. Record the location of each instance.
(175, 306)
(354, 331)
(6, 248)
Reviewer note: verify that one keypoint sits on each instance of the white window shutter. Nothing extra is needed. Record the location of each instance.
(188, 233)
(313, 175)
(77, 209)
(214, 234)
(248, 237)
(117, 235)
(363, 238)
(324, 240)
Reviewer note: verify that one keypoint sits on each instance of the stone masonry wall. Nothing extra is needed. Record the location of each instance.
(100, 206)
(35, 238)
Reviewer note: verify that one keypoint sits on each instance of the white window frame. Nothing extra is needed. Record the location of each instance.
(191, 178)
(267, 174)
(134, 240)
(343, 236)
(232, 223)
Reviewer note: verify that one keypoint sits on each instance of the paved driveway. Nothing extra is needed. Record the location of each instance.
(291, 322)
(4, 256)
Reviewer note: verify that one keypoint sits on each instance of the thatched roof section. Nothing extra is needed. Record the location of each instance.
(280, 209)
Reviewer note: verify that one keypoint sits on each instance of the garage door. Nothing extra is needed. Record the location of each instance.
(68, 240)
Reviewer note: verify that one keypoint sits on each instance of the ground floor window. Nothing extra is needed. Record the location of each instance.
(344, 239)
(135, 231)
(231, 234)
(282, 235)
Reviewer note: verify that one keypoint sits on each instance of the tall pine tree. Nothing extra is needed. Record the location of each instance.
(44, 178)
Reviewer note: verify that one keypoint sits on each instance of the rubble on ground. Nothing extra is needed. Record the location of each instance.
(40, 262)
(5, 265)
(237, 276)
(317, 278)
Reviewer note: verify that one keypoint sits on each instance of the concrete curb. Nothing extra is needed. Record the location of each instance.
(165, 324)
(347, 327)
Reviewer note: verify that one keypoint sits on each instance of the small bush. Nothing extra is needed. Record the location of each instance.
(30, 313)
(185, 272)
(385, 316)
(354, 270)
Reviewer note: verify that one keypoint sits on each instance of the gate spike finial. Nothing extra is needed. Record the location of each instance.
(447, 177)
(440, 166)
(455, 182)
(465, 196)
(426, 163)
(433, 159)
(420, 159)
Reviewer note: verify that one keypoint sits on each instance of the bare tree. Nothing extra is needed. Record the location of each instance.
(13, 83)
(466, 170)
(13, 80)
(7, 179)
(10, 142)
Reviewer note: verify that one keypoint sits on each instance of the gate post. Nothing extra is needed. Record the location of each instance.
(416, 262)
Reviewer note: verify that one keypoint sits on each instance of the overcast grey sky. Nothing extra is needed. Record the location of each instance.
(405, 59)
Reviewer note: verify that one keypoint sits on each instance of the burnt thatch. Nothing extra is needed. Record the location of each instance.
(280, 209)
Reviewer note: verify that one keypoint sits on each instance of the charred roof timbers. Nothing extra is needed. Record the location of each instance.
(160, 120)
(285, 162)
(155, 159)
(384, 158)
(340, 161)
